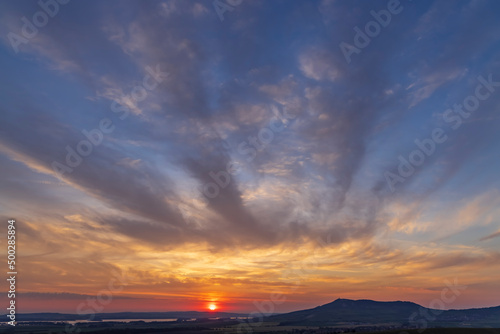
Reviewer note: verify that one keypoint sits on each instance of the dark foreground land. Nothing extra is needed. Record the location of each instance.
(223, 328)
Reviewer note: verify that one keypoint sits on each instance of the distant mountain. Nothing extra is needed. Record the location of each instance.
(125, 315)
(343, 312)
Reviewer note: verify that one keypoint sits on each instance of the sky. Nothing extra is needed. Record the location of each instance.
(165, 155)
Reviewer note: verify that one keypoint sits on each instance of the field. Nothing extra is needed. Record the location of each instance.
(223, 327)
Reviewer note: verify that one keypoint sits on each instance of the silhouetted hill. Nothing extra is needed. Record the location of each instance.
(343, 311)
(400, 313)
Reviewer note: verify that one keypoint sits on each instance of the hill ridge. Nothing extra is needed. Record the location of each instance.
(399, 313)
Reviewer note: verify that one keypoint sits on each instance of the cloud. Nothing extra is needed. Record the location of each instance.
(318, 65)
(491, 236)
(425, 86)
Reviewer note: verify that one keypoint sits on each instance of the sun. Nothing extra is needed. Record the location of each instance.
(212, 307)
